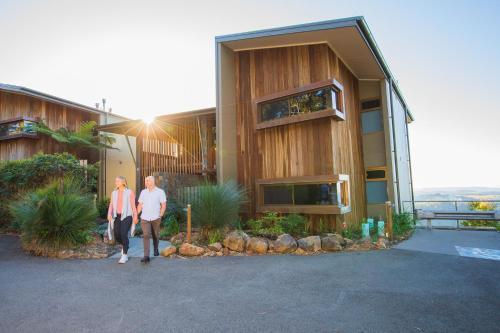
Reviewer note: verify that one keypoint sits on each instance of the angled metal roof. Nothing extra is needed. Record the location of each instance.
(37, 94)
(357, 22)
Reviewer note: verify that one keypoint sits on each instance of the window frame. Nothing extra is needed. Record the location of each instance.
(343, 195)
(338, 113)
(381, 168)
(19, 135)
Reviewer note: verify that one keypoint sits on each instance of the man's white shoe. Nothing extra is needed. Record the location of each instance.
(123, 259)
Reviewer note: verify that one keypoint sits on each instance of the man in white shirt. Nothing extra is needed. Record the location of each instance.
(152, 204)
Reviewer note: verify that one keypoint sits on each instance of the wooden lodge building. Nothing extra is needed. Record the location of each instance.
(308, 118)
(21, 108)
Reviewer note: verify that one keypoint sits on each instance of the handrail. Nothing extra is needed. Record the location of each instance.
(424, 205)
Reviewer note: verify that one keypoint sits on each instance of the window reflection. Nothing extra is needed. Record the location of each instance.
(312, 101)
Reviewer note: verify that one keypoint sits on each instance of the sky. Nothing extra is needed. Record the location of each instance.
(150, 58)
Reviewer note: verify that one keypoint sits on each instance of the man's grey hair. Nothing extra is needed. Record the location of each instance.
(151, 178)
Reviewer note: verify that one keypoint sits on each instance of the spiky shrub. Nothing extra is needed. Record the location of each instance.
(215, 236)
(59, 215)
(102, 207)
(217, 206)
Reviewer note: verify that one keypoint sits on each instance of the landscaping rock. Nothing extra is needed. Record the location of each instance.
(236, 241)
(168, 251)
(284, 244)
(300, 252)
(310, 244)
(225, 251)
(361, 245)
(215, 247)
(348, 242)
(331, 243)
(339, 238)
(190, 250)
(382, 243)
(257, 245)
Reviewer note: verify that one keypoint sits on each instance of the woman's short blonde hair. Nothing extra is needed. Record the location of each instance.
(123, 179)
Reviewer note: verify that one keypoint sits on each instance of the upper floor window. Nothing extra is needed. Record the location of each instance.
(317, 100)
(13, 128)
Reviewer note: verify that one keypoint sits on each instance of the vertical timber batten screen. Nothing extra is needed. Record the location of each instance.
(179, 148)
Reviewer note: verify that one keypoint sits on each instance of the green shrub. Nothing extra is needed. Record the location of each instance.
(17, 177)
(352, 231)
(60, 215)
(170, 226)
(481, 206)
(402, 223)
(294, 224)
(102, 207)
(269, 224)
(217, 206)
(323, 227)
(215, 236)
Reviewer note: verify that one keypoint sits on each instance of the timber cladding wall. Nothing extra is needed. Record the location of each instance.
(54, 115)
(315, 147)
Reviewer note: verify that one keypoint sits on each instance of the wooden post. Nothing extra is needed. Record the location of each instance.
(388, 212)
(189, 223)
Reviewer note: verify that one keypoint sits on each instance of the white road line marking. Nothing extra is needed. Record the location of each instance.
(475, 252)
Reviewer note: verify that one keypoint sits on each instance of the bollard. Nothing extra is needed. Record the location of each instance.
(188, 237)
(371, 222)
(365, 230)
(380, 229)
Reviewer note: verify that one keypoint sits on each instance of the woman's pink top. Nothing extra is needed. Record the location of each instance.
(119, 204)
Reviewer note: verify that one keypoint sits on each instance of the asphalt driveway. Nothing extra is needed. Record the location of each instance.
(382, 291)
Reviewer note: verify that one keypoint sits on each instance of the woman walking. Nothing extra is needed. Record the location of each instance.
(122, 212)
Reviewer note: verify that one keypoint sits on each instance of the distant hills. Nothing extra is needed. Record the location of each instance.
(458, 193)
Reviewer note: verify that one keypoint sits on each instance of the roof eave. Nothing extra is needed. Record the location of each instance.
(356, 21)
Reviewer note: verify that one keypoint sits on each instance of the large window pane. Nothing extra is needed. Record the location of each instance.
(376, 192)
(315, 194)
(313, 101)
(300, 194)
(278, 195)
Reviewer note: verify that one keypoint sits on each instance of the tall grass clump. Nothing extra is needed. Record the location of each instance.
(217, 205)
(402, 223)
(60, 215)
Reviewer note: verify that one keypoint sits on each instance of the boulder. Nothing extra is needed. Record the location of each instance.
(284, 244)
(300, 252)
(331, 243)
(310, 244)
(215, 247)
(236, 241)
(257, 245)
(348, 242)
(190, 250)
(339, 238)
(168, 251)
(382, 243)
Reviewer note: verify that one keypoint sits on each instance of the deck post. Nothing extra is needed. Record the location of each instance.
(188, 237)
(388, 212)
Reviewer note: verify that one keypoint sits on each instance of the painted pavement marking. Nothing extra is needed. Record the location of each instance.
(475, 252)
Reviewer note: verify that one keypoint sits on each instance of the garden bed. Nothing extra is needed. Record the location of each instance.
(97, 249)
(239, 243)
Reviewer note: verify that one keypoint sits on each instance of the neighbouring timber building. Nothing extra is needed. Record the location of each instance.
(308, 118)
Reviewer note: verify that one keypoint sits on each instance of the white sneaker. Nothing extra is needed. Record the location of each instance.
(123, 259)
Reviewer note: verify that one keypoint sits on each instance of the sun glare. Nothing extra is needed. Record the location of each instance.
(148, 119)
